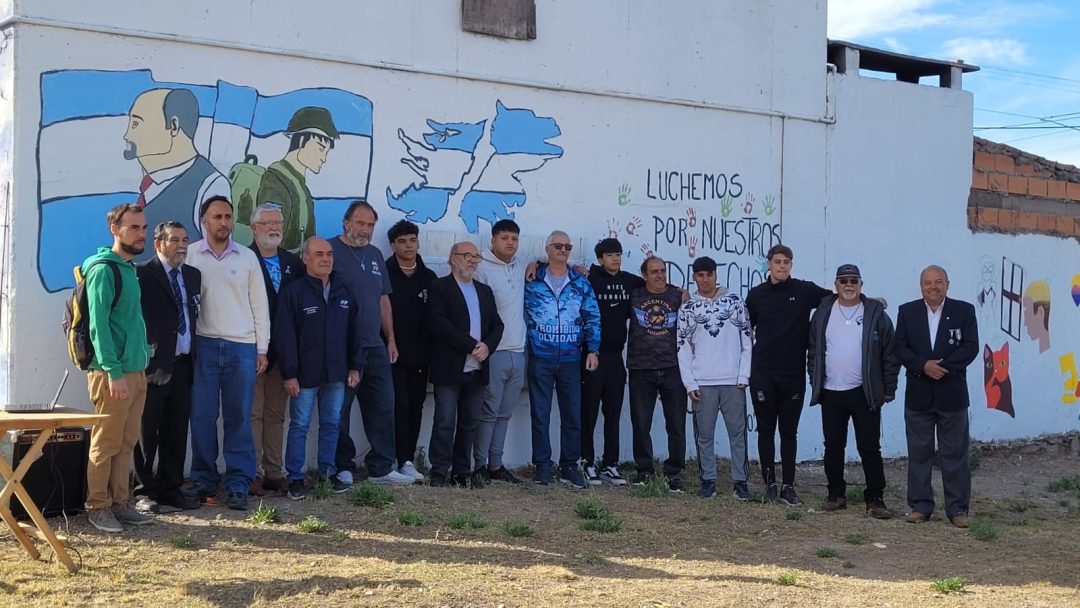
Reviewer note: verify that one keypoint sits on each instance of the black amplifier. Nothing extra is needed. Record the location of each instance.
(57, 480)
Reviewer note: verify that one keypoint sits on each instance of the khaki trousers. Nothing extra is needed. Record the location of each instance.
(268, 424)
(112, 441)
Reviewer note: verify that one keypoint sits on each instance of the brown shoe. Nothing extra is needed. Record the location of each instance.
(256, 488)
(835, 504)
(276, 486)
(878, 510)
(959, 520)
(916, 517)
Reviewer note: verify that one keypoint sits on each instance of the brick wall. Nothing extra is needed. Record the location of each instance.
(1016, 192)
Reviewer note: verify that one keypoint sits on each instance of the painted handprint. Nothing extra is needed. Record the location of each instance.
(613, 228)
(768, 204)
(748, 208)
(633, 225)
(646, 250)
(691, 217)
(624, 195)
(726, 204)
(692, 247)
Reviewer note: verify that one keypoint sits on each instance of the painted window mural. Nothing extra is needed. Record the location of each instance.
(170, 145)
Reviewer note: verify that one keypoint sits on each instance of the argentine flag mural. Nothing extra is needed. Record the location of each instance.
(111, 137)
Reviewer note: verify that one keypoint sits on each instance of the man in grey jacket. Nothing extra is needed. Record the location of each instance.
(853, 373)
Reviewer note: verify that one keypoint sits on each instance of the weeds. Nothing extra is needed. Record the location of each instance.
(855, 495)
(604, 525)
(1065, 484)
(517, 529)
(368, 494)
(827, 552)
(467, 520)
(794, 515)
(788, 579)
(591, 509)
(848, 564)
(855, 538)
(974, 457)
(654, 488)
(592, 558)
(339, 536)
(312, 525)
(984, 530)
(322, 489)
(186, 541)
(948, 585)
(264, 514)
(411, 518)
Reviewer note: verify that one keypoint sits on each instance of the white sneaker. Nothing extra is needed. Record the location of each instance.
(345, 477)
(611, 475)
(409, 470)
(392, 478)
(591, 477)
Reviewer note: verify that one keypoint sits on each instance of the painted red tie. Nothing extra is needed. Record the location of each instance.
(143, 185)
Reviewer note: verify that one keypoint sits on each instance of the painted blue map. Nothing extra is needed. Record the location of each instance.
(472, 168)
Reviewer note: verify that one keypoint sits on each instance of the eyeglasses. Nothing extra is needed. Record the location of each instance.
(271, 223)
(567, 247)
(848, 281)
(470, 257)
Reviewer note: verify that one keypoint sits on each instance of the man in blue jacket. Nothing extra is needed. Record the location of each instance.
(318, 354)
(561, 316)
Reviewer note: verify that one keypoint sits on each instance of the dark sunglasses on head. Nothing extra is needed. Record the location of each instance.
(562, 246)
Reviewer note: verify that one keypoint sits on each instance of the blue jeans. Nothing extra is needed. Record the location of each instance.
(330, 396)
(565, 378)
(224, 384)
(375, 395)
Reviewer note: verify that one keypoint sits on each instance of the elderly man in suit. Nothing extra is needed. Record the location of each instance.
(936, 340)
(170, 304)
(465, 330)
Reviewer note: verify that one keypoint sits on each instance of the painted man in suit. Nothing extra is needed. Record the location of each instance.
(170, 303)
(936, 340)
(465, 330)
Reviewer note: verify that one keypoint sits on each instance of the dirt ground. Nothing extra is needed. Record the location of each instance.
(674, 550)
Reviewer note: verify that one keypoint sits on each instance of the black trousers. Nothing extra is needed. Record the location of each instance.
(410, 391)
(837, 407)
(453, 428)
(604, 386)
(778, 401)
(645, 386)
(164, 435)
(953, 445)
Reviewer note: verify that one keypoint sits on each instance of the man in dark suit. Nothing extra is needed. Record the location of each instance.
(465, 329)
(936, 340)
(170, 304)
(279, 267)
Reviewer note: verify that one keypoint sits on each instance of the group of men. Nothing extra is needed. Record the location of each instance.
(251, 335)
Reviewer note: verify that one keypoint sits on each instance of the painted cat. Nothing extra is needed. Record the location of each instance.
(996, 379)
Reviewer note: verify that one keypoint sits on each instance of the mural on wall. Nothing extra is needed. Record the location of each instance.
(1075, 292)
(705, 214)
(184, 139)
(1070, 377)
(996, 379)
(471, 170)
(1012, 286)
(987, 298)
(1036, 305)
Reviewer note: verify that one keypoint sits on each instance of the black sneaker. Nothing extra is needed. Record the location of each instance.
(674, 484)
(298, 491)
(789, 497)
(742, 492)
(771, 493)
(572, 477)
(503, 474)
(643, 478)
(543, 476)
(337, 486)
(592, 477)
(437, 481)
(708, 488)
(237, 501)
(611, 475)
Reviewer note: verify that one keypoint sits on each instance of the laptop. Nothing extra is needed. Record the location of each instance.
(37, 407)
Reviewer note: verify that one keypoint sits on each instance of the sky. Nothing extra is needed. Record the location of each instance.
(1027, 52)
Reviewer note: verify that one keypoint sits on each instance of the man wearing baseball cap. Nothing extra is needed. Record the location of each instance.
(853, 374)
(311, 133)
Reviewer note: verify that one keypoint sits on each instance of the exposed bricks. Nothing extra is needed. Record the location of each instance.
(1056, 189)
(1028, 221)
(1066, 226)
(980, 180)
(998, 182)
(1007, 219)
(1004, 164)
(984, 161)
(1018, 184)
(1073, 191)
(1047, 223)
(1036, 187)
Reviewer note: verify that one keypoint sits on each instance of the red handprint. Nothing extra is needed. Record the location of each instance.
(646, 250)
(748, 208)
(692, 247)
(613, 228)
(633, 225)
(691, 217)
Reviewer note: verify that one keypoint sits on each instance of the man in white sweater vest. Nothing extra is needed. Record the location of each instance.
(232, 336)
(714, 362)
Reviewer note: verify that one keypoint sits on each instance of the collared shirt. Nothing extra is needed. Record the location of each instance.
(183, 340)
(204, 247)
(933, 319)
(472, 301)
(214, 184)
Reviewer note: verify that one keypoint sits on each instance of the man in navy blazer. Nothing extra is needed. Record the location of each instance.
(936, 340)
(465, 330)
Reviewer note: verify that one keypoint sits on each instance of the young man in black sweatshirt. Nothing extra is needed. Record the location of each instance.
(780, 311)
(606, 385)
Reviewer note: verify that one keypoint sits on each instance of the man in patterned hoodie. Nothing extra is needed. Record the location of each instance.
(714, 363)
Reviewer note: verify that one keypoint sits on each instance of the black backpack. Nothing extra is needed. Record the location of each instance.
(76, 322)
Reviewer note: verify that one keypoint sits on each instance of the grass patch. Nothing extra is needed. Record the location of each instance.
(827, 552)
(1064, 502)
(368, 494)
(794, 515)
(591, 509)
(984, 530)
(313, 525)
(654, 488)
(788, 579)
(974, 457)
(339, 535)
(186, 541)
(948, 585)
(1019, 506)
(848, 564)
(604, 525)
(592, 558)
(1065, 484)
(411, 518)
(467, 520)
(321, 489)
(264, 514)
(855, 538)
(855, 495)
(517, 529)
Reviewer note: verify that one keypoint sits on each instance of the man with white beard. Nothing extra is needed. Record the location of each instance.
(279, 267)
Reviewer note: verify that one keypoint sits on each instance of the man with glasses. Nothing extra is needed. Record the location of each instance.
(853, 374)
(465, 328)
(561, 316)
(279, 267)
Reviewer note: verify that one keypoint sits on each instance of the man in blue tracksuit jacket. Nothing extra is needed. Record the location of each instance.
(561, 316)
(318, 355)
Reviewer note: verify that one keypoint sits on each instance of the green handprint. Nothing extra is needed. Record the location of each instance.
(769, 204)
(624, 195)
(726, 204)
